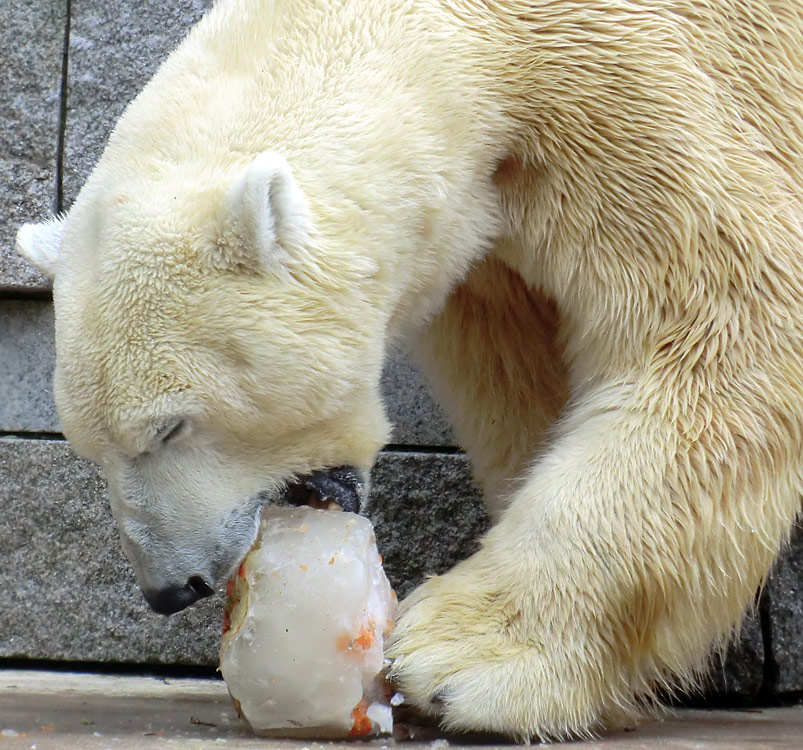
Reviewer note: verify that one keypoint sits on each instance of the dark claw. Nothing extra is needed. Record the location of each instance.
(342, 485)
(438, 700)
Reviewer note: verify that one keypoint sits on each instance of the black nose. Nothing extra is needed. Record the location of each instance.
(172, 599)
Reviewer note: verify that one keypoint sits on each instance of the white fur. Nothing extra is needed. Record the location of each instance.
(586, 217)
(267, 210)
(39, 244)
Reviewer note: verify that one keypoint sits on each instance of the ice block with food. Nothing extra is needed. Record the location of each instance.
(308, 612)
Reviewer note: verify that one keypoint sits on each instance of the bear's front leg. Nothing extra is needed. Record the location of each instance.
(627, 550)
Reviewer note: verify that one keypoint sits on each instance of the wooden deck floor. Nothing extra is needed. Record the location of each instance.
(73, 711)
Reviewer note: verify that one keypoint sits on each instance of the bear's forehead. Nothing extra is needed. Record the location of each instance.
(126, 335)
(137, 217)
(119, 387)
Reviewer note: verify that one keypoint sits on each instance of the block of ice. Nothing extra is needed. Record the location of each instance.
(309, 611)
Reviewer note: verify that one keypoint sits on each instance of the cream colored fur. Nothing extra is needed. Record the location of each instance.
(624, 360)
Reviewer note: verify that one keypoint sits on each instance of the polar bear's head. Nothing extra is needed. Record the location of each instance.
(212, 345)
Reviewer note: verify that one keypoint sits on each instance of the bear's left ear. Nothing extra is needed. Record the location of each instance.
(267, 211)
(39, 244)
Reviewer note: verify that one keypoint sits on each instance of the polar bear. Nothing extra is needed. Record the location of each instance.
(585, 218)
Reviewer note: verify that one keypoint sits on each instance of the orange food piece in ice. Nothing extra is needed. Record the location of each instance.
(366, 638)
(360, 723)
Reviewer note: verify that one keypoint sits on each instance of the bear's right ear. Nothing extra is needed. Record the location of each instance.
(39, 244)
(267, 211)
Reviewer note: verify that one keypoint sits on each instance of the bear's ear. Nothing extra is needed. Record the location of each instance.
(39, 244)
(267, 211)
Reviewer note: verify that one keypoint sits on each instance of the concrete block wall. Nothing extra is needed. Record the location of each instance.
(65, 591)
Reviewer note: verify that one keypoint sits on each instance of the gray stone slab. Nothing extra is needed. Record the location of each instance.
(427, 513)
(785, 599)
(115, 48)
(66, 593)
(27, 359)
(416, 417)
(32, 43)
(739, 671)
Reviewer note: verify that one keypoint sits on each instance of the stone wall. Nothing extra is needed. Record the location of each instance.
(65, 591)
